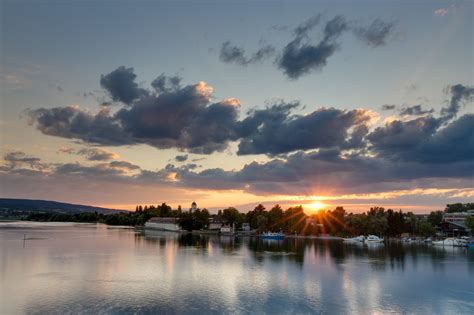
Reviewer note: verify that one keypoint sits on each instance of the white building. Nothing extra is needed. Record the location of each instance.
(162, 224)
(193, 207)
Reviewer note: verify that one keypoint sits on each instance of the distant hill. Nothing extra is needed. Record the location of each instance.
(50, 206)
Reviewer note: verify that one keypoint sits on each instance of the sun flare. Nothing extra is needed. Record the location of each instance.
(313, 208)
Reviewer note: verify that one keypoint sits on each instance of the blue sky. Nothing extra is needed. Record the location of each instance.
(54, 52)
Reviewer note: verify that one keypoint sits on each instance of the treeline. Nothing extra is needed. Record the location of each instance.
(377, 220)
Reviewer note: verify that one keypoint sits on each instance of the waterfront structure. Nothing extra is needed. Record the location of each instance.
(216, 222)
(454, 224)
(227, 229)
(162, 224)
(246, 227)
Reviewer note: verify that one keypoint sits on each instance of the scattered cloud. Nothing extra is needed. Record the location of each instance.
(388, 107)
(301, 55)
(98, 154)
(415, 110)
(376, 33)
(181, 158)
(230, 53)
(441, 12)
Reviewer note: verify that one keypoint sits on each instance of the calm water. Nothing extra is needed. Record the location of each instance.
(80, 268)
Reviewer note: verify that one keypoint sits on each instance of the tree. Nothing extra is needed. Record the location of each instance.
(459, 207)
(426, 229)
(435, 217)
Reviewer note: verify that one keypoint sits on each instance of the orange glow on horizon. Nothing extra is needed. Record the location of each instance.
(313, 208)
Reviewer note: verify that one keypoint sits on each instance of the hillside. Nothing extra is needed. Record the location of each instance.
(49, 206)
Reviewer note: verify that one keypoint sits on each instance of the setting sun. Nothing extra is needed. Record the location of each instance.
(313, 208)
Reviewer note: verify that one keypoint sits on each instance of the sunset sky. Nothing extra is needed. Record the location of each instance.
(233, 103)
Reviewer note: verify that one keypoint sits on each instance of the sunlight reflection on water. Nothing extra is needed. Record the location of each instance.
(72, 268)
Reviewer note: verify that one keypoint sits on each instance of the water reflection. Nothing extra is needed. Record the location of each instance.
(97, 269)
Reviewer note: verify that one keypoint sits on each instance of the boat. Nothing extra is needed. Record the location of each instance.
(451, 241)
(428, 240)
(357, 239)
(272, 236)
(373, 239)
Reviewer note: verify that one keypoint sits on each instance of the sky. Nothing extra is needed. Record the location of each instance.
(235, 103)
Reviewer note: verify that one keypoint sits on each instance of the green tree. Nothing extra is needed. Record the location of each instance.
(435, 217)
(426, 229)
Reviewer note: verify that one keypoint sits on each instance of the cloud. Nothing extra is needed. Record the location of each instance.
(186, 118)
(422, 140)
(97, 154)
(16, 159)
(299, 57)
(388, 107)
(274, 130)
(415, 110)
(73, 123)
(375, 34)
(459, 94)
(165, 83)
(441, 12)
(121, 85)
(181, 158)
(302, 55)
(234, 54)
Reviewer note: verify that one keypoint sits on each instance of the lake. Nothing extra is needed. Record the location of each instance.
(66, 268)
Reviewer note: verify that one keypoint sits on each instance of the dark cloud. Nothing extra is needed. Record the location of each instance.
(234, 54)
(73, 123)
(388, 107)
(415, 110)
(306, 26)
(165, 83)
(97, 154)
(422, 140)
(121, 85)
(299, 57)
(459, 94)
(274, 130)
(302, 55)
(375, 34)
(181, 158)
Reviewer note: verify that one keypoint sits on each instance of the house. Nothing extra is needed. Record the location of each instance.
(216, 222)
(454, 223)
(246, 227)
(162, 224)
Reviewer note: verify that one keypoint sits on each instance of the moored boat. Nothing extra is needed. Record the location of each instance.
(373, 239)
(357, 239)
(451, 241)
(272, 236)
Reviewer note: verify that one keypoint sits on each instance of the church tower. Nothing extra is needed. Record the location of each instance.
(193, 207)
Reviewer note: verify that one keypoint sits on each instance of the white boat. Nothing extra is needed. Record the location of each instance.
(272, 236)
(451, 241)
(373, 239)
(357, 239)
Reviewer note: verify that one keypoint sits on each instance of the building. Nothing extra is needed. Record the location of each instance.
(216, 222)
(193, 207)
(162, 224)
(246, 227)
(454, 224)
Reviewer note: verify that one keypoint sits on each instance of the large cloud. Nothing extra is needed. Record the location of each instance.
(274, 130)
(186, 118)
